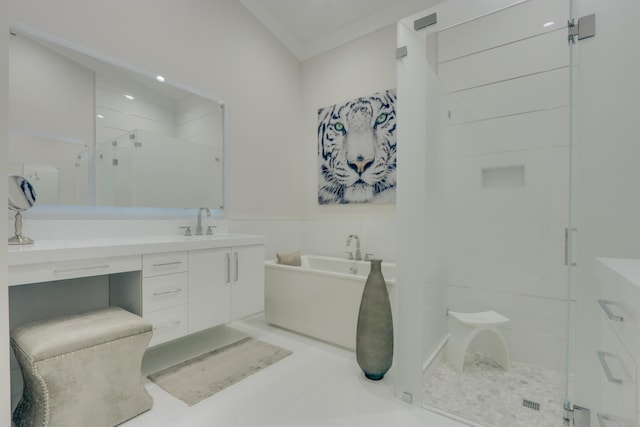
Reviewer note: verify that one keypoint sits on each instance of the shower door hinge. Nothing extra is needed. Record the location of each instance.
(425, 22)
(585, 28)
(576, 416)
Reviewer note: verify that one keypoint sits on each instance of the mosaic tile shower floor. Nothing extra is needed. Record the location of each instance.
(490, 396)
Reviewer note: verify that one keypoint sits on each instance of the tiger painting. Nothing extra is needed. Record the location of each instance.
(357, 150)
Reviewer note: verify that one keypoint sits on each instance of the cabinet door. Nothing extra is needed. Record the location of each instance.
(247, 281)
(209, 277)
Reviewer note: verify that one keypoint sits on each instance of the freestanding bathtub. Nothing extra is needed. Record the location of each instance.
(321, 298)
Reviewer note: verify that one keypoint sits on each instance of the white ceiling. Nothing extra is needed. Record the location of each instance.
(310, 27)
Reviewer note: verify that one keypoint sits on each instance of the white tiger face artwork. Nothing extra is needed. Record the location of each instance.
(357, 150)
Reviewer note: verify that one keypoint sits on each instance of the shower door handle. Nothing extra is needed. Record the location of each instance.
(566, 246)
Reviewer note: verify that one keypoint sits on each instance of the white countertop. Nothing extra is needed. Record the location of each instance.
(628, 269)
(78, 249)
(621, 277)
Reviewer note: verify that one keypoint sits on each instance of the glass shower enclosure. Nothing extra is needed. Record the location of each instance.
(520, 151)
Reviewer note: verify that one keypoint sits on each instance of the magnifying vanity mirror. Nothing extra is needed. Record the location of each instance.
(22, 196)
(87, 132)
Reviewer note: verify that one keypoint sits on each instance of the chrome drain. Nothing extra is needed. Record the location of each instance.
(531, 404)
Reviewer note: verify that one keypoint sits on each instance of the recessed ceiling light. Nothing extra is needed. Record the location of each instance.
(129, 97)
(548, 24)
(100, 116)
(160, 78)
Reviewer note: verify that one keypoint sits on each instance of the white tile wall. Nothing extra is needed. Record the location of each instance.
(515, 23)
(511, 133)
(516, 96)
(545, 52)
(506, 246)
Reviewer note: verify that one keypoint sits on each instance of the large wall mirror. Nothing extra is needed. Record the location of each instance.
(87, 132)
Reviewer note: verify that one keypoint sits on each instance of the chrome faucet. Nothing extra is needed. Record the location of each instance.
(199, 224)
(358, 256)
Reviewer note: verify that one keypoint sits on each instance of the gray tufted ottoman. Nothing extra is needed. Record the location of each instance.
(82, 370)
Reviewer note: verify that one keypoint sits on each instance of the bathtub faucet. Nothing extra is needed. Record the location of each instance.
(358, 256)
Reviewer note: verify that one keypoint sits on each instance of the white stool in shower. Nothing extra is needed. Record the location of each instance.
(464, 327)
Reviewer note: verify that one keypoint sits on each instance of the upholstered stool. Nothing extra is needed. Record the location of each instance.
(464, 327)
(82, 370)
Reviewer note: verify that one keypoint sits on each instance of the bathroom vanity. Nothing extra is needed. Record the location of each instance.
(619, 341)
(181, 284)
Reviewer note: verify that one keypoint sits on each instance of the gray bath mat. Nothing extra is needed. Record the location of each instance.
(203, 376)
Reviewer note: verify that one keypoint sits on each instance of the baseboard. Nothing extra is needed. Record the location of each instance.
(433, 361)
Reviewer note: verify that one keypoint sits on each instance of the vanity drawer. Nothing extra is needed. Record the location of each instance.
(164, 291)
(50, 271)
(618, 380)
(168, 324)
(164, 263)
(621, 318)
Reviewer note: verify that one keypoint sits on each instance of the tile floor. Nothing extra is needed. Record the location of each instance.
(317, 386)
(489, 395)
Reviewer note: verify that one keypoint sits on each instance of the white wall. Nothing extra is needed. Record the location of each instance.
(359, 68)
(5, 401)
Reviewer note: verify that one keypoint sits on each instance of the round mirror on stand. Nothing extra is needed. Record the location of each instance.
(22, 196)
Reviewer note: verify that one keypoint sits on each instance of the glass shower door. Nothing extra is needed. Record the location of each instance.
(493, 150)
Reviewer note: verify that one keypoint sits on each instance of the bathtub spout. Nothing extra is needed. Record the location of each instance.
(358, 256)
(354, 268)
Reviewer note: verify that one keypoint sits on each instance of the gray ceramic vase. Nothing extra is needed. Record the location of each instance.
(374, 336)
